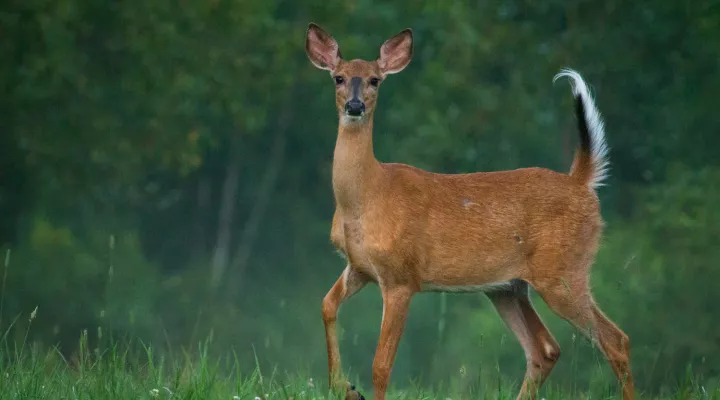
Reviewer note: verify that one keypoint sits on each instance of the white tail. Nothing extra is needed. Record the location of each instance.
(592, 132)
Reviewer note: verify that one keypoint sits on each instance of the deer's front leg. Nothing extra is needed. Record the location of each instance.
(396, 305)
(349, 283)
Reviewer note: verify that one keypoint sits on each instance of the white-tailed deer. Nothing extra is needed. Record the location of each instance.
(409, 230)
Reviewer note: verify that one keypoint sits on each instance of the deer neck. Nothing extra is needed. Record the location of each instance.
(355, 170)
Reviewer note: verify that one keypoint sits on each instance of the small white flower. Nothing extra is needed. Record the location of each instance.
(154, 392)
(310, 383)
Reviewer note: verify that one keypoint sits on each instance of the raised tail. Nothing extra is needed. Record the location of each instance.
(590, 165)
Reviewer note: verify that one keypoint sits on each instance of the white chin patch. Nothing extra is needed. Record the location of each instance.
(353, 118)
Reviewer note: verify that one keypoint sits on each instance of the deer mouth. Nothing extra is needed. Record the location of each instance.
(353, 118)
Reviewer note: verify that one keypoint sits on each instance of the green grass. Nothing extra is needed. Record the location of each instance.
(133, 370)
(28, 372)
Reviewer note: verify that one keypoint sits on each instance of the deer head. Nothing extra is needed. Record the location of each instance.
(357, 81)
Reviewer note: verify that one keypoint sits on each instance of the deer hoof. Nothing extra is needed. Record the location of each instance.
(353, 394)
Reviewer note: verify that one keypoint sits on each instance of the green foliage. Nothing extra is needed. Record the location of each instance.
(77, 282)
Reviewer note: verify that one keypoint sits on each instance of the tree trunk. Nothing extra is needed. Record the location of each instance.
(228, 200)
(201, 214)
(264, 191)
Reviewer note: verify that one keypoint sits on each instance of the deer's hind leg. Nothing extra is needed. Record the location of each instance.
(567, 292)
(541, 349)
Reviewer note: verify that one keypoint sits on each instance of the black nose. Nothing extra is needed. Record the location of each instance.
(355, 107)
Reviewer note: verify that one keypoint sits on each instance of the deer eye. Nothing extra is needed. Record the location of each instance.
(339, 80)
(374, 81)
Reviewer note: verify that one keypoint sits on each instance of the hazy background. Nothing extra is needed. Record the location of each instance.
(165, 173)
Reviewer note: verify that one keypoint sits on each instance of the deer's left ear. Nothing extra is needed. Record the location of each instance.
(396, 53)
(322, 50)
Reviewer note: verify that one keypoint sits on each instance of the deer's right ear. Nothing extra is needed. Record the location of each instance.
(322, 50)
(396, 52)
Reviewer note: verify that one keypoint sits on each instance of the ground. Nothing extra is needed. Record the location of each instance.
(118, 373)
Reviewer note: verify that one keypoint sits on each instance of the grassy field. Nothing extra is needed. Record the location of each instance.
(26, 372)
